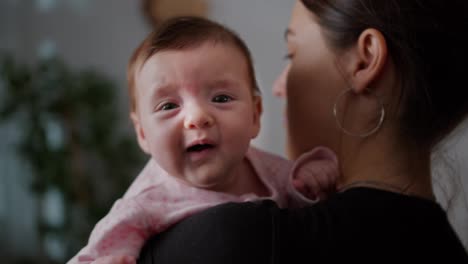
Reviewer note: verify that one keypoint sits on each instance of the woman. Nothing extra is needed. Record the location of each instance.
(379, 83)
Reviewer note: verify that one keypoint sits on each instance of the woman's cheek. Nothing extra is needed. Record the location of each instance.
(302, 109)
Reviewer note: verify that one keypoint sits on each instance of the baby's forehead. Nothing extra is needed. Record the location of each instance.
(188, 67)
(205, 48)
(202, 62)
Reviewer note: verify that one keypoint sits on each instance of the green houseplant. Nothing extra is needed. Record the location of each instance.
(73, 142)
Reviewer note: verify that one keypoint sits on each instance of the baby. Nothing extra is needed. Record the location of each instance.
(195, 106)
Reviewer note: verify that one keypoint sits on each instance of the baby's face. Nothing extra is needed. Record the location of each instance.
(195, 112)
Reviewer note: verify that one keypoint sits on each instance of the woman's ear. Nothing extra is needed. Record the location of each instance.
(140, 133)
(370, 58)
(257, 114)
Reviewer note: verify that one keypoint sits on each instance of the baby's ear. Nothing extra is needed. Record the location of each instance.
(257, 114)
(140, 133)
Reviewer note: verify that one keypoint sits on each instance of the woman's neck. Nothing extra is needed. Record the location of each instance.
(381, 162)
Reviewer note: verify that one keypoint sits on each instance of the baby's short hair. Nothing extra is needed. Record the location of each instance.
(181, 33)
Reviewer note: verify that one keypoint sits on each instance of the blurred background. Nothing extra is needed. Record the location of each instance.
(67, 148)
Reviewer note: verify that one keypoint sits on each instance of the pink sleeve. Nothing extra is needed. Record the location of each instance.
(318, 169)
(122, 232)
(152, 206)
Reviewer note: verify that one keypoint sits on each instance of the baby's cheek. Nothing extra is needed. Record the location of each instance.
(242, 132)
(240, 138)
(167, 150)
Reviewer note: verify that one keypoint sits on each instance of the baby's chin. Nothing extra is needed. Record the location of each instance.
(214, 181)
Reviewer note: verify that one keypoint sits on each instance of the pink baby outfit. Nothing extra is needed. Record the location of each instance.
(155, 200)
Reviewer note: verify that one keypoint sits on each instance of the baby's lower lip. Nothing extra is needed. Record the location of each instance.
(201, 154)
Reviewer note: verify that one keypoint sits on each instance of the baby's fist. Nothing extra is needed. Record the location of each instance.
(315, 174)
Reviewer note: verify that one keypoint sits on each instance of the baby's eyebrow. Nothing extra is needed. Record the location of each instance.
(161, 90)
(224, 83)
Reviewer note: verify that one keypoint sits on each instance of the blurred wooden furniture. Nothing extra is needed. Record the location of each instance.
(156, 11)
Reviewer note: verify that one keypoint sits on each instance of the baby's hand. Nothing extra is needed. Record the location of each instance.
(315, 174)
(115, 260)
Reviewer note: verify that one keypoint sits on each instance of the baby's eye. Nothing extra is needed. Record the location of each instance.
(222, 98)
(168, 106)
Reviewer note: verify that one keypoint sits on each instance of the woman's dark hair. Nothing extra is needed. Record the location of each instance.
(427, 41)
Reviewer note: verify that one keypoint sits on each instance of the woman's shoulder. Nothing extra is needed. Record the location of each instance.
(358, 220)
(375, 222)
(227, 233)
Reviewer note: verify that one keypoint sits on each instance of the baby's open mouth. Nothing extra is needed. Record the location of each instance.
(200, 147)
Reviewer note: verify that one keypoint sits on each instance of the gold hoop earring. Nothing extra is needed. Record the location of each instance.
(364, 134)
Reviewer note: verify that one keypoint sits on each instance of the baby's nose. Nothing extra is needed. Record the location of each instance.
(198, 117)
